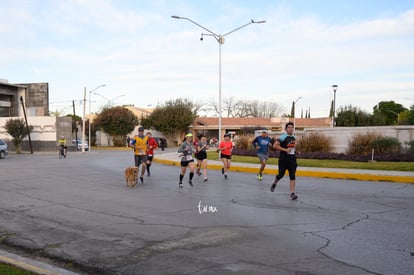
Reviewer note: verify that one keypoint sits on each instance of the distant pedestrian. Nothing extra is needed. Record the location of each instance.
(187, 160)
(287, 159)
(261, 144)
(151, 145)
(139, 144)
(128, 141)
(202, 148)
(225, 146)
(213, 142)
(163, 143)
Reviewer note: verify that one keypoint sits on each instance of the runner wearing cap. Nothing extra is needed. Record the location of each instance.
(261, 144)
(186, 153)
(139, 143)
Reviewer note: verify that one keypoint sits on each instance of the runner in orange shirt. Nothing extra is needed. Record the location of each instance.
(226, 146)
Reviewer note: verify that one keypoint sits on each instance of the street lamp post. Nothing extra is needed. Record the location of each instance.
(220, 39)
(294, 112)
(84, 114)
(334, 87)
(90, 112)
(83, 120)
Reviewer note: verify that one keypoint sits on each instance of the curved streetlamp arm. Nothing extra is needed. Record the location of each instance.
(103, 85)
(251, 22)
(102, 96)
(117, 97)
(195, 23)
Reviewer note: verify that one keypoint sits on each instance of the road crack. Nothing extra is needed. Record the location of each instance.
(328, 242)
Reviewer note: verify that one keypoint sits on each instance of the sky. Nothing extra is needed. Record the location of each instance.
(144, 57)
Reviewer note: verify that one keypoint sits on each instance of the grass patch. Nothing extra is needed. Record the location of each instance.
(12, 270)
(383, 165)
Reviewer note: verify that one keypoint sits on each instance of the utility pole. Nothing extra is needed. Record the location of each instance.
(83, 120)
(27, 125)
(76, 128)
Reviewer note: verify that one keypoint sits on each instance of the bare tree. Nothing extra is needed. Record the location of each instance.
(272, 109)
(263, 109)
(198, 106)
(248, 108)
(243, 109)
(230, 104)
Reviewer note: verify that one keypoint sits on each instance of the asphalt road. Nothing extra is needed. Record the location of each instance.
(79, 214)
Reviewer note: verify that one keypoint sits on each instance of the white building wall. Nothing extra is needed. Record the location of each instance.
(341, 136)
(44, 127)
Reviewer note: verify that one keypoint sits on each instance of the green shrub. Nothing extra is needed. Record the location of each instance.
(361, 144)
(314, 142)
(18, 130)
(386, 145)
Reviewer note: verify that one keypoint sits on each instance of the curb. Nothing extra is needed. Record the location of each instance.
(314, 174)
(32, 265)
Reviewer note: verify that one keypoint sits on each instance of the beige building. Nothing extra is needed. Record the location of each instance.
(139, 112)
(209, 125)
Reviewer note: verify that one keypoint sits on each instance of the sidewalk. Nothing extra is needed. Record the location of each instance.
(171, 158)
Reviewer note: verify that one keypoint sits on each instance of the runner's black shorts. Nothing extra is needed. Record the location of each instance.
(184, 163)
(223, 156)
(201, 155)
(139, 159)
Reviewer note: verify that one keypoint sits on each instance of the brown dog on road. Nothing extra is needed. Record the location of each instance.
(131, 176)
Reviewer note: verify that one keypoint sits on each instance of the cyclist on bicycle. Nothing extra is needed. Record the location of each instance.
(62, 146)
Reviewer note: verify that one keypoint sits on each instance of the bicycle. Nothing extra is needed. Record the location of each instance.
(62, 151)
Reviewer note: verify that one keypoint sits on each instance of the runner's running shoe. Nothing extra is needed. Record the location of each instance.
(273, 187)
(293, 196)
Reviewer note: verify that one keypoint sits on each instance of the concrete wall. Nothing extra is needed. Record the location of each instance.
(44, 128)
(45, 134)
(341, 136)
